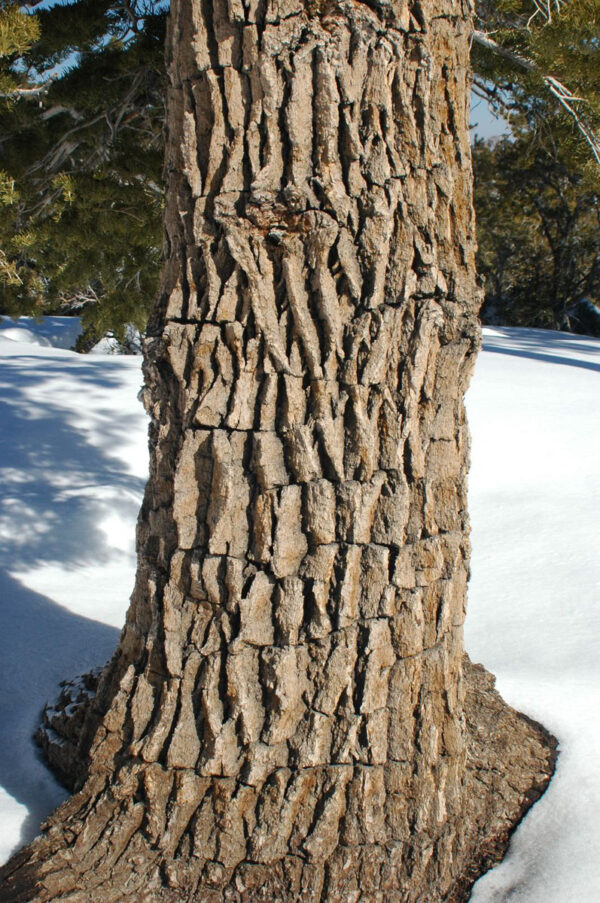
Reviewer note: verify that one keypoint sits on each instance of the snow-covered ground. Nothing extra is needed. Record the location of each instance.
(73, 462)
(72, 466)
(534, 609)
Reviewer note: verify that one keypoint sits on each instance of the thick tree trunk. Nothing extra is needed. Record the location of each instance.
(287, 714)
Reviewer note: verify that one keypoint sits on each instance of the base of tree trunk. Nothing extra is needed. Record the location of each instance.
(511, 759)
(98, 846)
(59, 733)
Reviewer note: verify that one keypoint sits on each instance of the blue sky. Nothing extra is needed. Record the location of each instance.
(484, 123)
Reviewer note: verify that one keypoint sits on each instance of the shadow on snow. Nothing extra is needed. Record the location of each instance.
(544, 345)
(41, 644)
(57, 480)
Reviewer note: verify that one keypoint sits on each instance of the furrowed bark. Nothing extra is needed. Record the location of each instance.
(287, 716)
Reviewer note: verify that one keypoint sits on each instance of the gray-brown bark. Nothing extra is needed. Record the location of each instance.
(287, 714)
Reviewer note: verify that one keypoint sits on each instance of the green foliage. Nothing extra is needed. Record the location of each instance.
(539, 236)
(81, 159)
(17, 34)
(80, 188)
(536, 193)
(9, 194)
(535, 57)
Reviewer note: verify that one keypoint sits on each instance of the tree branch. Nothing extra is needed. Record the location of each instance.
(564, 96)
(32, 92)
(546, 9)
(484, 40)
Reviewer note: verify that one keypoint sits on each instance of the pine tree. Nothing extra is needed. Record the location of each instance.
(538, 235)
(536, 62)
(83, 170)
(536, 191)
(17, 34)
(84, 225)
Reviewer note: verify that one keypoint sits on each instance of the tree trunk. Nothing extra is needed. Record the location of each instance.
(287, 716)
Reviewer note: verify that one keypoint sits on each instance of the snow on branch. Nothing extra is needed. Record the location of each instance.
(33, 92)
(485, 40)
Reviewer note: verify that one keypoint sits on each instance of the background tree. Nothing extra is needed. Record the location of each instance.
(83, 223)
(536, 192)
(288, 714)
(538, 235)
(535, 60)
(17, 34)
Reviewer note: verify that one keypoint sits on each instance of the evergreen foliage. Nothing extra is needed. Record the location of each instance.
(81, 120)
(17, 34)
(536, 193)
(539, 68)
(539, 236)
(81, 181)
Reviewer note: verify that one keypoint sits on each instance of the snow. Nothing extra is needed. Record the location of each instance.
(72, 467)
(57, 332)
(111, 345)
(106, 345)
(73, 462)
(534, 600)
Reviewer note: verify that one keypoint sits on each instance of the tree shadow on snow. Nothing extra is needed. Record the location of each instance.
(57, 481)
(546, 346)
(41, 644)
(52, 473)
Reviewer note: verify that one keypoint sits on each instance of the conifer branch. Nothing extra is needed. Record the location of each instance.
(546, 9)
(8, 271)
(485, 40)
(567, 101)
(30, 92)
(563, 95)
